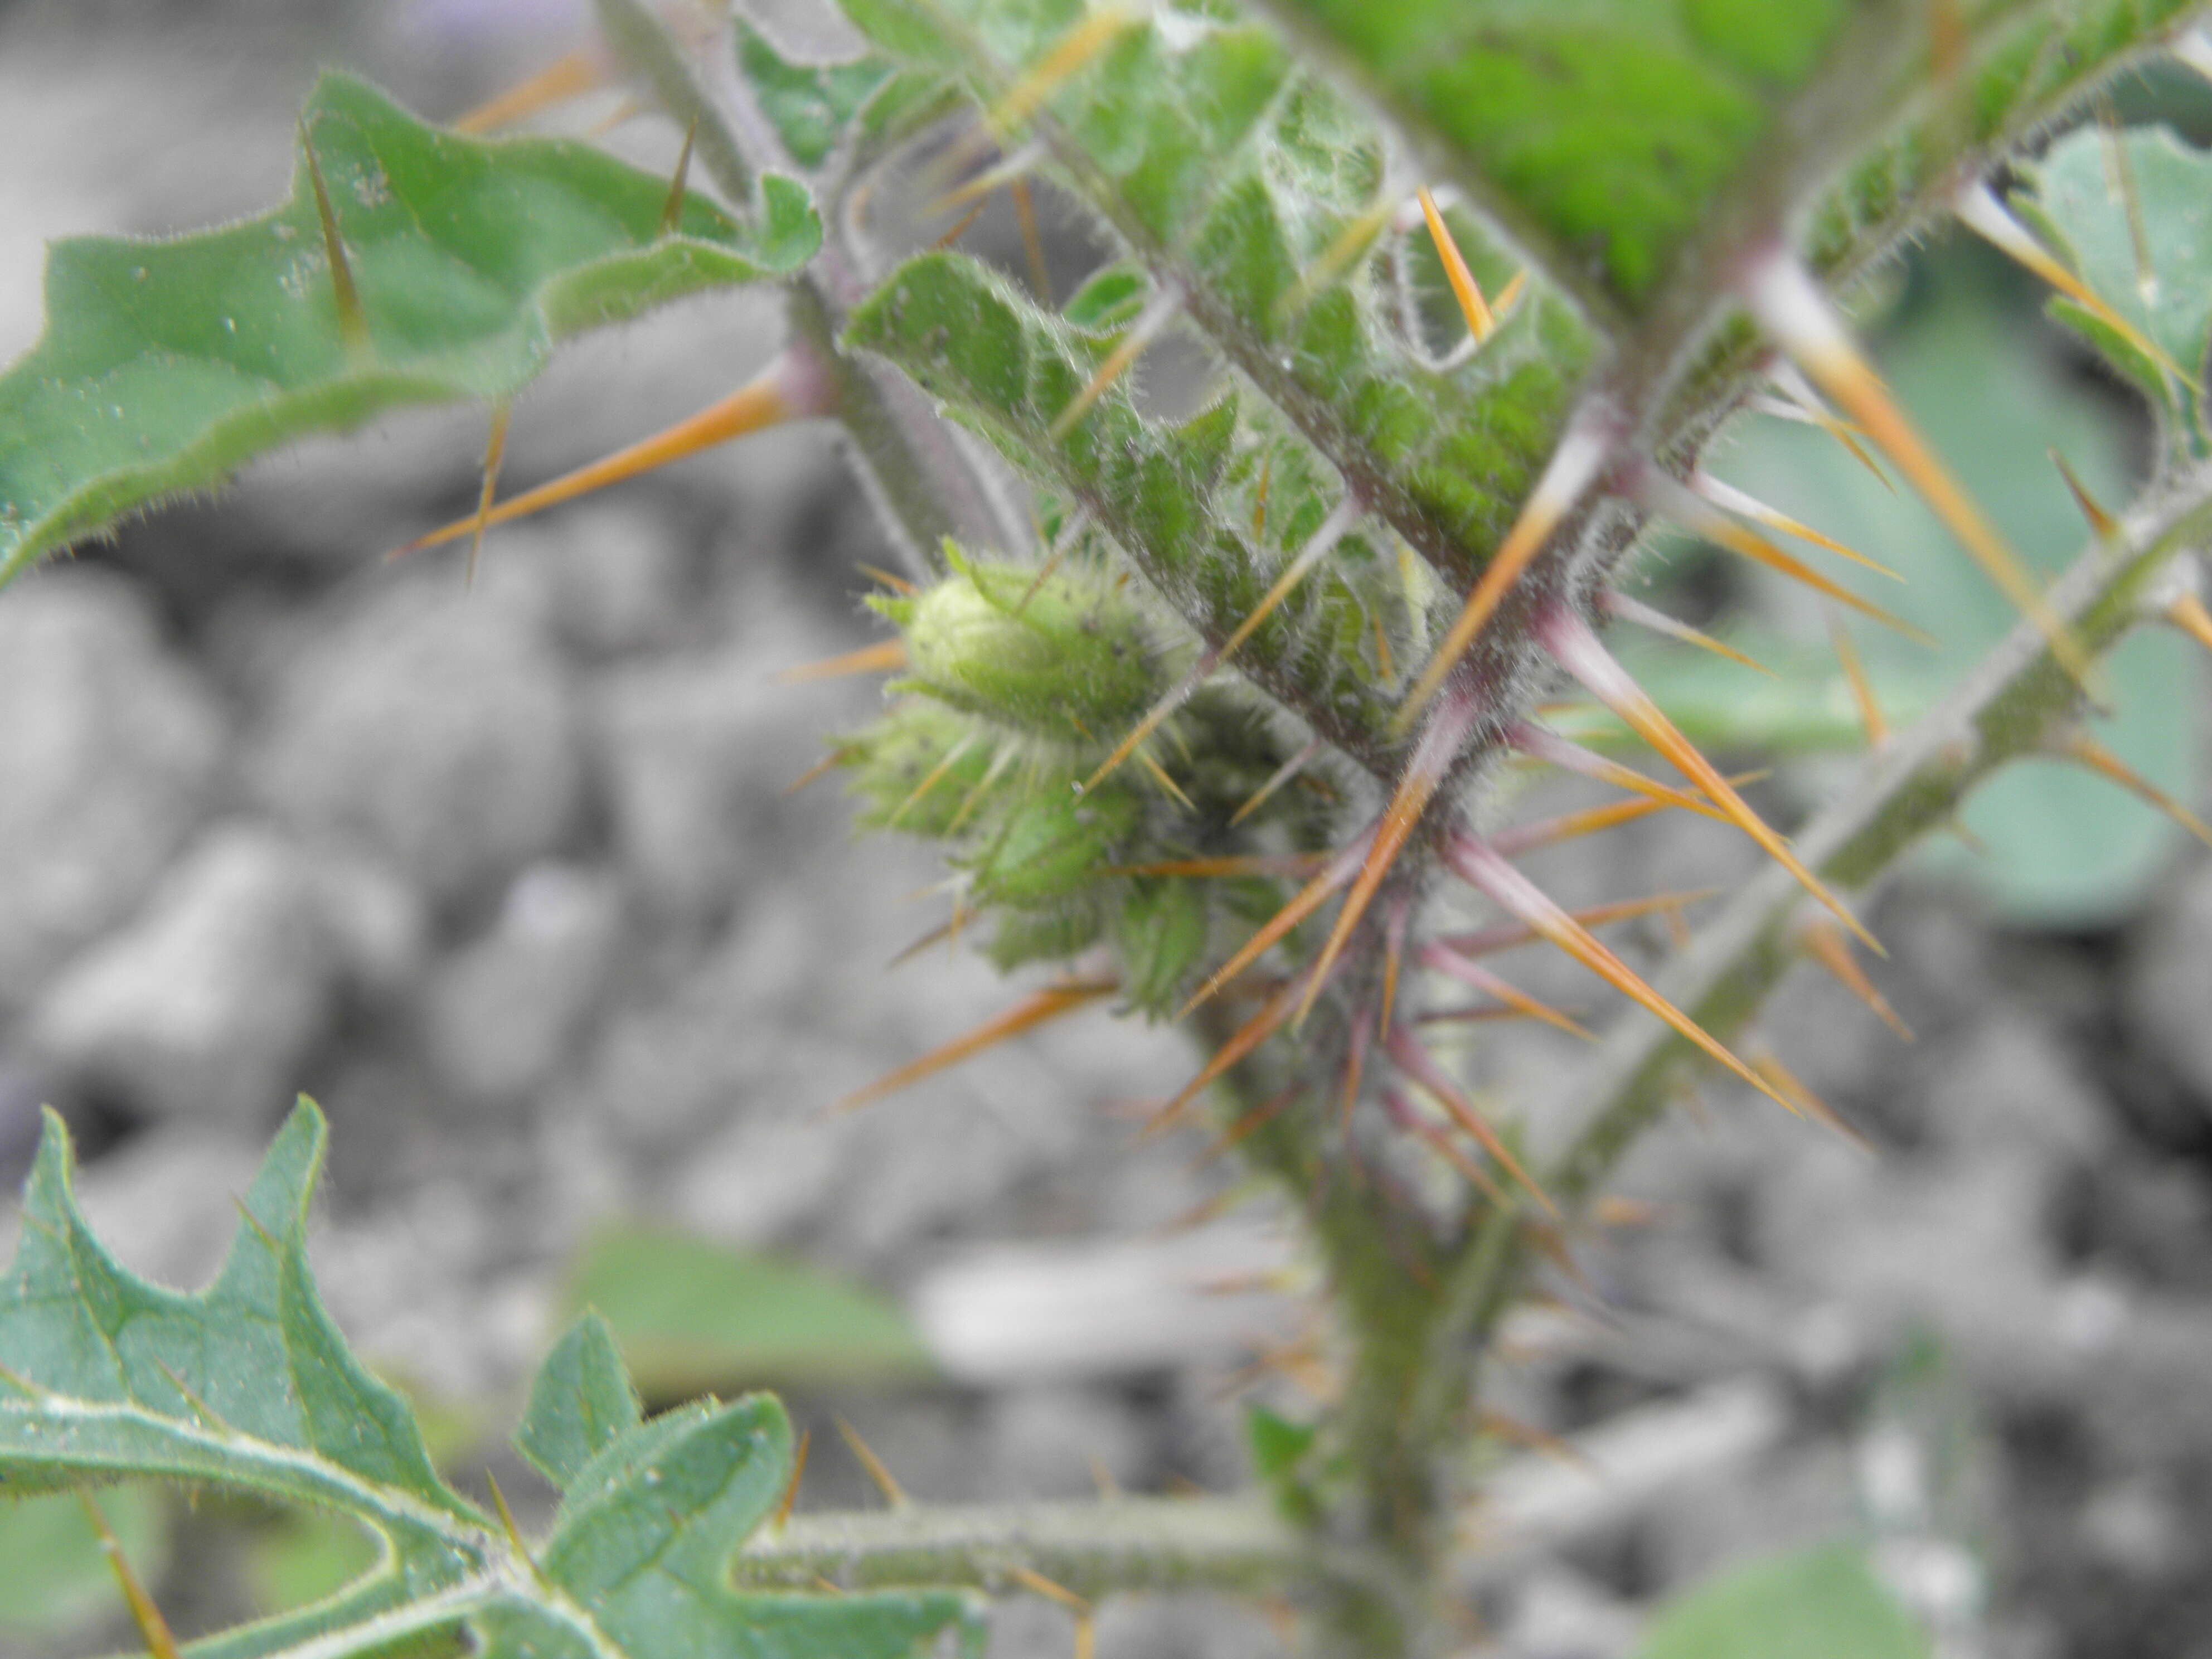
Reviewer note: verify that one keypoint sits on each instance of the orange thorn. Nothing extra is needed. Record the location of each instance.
(1789, 305)
(1659, 494)
(1515, 894)
(1074, 49)
(1260, 497)
(1007, 170)
(1573, 826)
(1355, 1065)
(1281, 775)
(1318, 548)
(671, 210)
(495, 452)
(1402, 1111)
(153, 1628)
(1481, 323)
(1308, 899)
(2187, 613)
(1540, 744)
(1529, 1437)
(1510, 295)
(943, 931)
(1032, 238)
(1241, 1042)
(930, 779)
(1827, 945)
(884, 657)
(514, 1532)
(1419, 1064)
(1489, 940)
(1155, 316)
(785, 1504)
(1729, 499)
(782, 392)
(564, 78)
(2102, 524)
(1036, 1009)
(1384, 668)
(1445, 960)
(353, 321)
(1575, 649)
(1424, 774)
(1980, 211)
(2081, 747)
(896, 584)
(1870, 714)
(1158, 775)
(1798, 1100)
(1619, 605)
(1394, 952)
(894, 1494)
(1030, 1579)
(1343, 252)
(1800, 402)
(960, 228)
(1582, 452)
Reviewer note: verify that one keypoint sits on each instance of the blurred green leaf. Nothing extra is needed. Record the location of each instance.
(1823, 1603)
(303, 1558)
(689, 1315)
(52, 1574)
(2065, 848)
(2149, 259)
(164, 365)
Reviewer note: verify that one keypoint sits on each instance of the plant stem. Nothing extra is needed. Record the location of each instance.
(1092, 1549)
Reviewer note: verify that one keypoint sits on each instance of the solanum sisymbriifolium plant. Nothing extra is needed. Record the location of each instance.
(1211, 708)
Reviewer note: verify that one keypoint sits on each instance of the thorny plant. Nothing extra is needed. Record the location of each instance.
(1212, 710)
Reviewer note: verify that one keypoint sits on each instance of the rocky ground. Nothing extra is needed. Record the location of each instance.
(507, 878)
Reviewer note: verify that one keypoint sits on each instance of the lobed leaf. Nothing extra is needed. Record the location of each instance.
(167, 364)
(249, 1385)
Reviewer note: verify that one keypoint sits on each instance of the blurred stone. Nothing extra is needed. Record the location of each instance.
(108, 755)
(1047, 1442)
(431, 725)
(203, 1007)
(2169, 984)
(617, 575)
(1559, 1613)
(165, 1202)
(2005, 1086)
(698, 753)
(500, 1016)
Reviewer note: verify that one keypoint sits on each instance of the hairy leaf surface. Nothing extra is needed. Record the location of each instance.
(249, 1385)
(166, 364)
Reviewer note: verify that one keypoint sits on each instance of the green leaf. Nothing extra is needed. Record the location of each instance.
(809, 104)
(248, 1385)
(1824, 1603)
(56, 1578)
(2078, 196)
(164, 365)
(580, 1403)
(1612, 134)
(689, 1315)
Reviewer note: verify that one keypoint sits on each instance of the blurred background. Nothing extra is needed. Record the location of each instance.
(509, 878)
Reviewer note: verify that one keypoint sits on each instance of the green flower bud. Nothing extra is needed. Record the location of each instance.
(916, 767)
(1162, 931)
(1053, 935)
(1069, 661)
(1052, 846)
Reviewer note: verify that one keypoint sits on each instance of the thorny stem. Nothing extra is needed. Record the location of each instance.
(926, 486)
